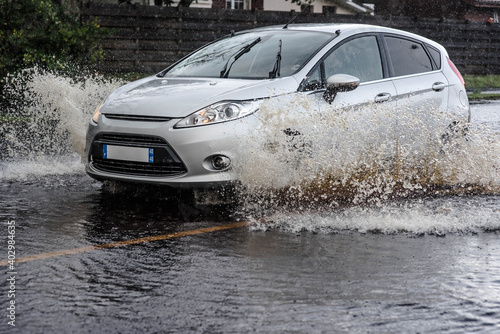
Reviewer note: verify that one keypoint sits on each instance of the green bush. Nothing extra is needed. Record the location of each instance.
(41, 33)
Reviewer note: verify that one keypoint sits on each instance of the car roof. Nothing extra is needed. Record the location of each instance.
(343, 29)
(319, 27)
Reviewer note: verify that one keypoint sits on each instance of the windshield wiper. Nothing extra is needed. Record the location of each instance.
(225, 71)
(277, 65)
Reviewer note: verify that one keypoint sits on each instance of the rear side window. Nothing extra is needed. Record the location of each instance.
(436, 56)
(407, 56)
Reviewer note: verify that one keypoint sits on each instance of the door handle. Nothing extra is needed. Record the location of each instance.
(438, 86)
(382, 97)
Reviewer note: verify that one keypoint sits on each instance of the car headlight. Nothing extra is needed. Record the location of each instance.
(218, 113)
(97, 112)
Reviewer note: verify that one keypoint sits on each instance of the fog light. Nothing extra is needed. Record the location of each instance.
(220, 162)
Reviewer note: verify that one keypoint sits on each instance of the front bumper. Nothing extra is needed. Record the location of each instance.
(181, 155)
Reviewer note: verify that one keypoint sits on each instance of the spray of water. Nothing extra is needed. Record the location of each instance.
(43, 131)
(339, 159)
(435, 216)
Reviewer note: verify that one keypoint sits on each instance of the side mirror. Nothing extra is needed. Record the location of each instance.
(339, 83)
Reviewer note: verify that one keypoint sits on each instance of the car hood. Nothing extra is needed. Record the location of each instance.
(180, 97)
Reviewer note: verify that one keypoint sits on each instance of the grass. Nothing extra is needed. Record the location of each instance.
(480, 96)
(479, 83)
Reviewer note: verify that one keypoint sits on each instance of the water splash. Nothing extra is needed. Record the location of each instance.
(43, 133)
(334, 158)
(434, 216)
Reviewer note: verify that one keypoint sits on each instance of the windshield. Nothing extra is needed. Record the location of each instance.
(254, 55)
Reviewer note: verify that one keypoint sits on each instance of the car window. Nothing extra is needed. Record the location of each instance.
(234, 59)
(313, 81)
(436, 56)
(407, 56)
(359, 57)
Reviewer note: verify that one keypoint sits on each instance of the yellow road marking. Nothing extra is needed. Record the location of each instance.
(125, 243)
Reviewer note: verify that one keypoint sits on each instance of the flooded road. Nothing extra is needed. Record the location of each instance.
(414, 265)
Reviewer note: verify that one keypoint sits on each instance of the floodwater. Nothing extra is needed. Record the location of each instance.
(424, 263)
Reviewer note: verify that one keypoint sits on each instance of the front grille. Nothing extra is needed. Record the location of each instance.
(140, 118)
(130, 139)
(166, 161)
(139, 168)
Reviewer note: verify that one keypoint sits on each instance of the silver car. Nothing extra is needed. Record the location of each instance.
(182, 127)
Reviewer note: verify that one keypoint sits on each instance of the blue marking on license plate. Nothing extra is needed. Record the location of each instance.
(104, 151)
(151, 155)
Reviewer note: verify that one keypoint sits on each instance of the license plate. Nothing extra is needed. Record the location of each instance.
(137, 154)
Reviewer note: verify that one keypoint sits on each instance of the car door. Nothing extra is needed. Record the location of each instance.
(420, 85)
(360, 114)
(359, 56)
